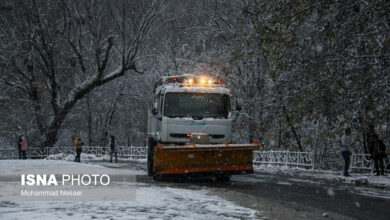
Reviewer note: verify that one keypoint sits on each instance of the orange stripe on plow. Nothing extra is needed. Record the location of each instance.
(209, 168)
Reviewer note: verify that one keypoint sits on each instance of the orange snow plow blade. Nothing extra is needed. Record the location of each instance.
(207, 159)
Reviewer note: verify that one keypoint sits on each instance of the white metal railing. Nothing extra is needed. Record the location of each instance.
(287, 158)
(364, 162)
(132, 152)
(361, 161)
(298, 159)
(35, 152)
(8, 154)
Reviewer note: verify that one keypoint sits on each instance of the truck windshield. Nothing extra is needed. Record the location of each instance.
(196, 105)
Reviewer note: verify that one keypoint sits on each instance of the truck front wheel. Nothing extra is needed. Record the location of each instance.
(151, 146)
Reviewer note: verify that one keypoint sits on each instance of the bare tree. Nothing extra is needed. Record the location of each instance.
(60, 51)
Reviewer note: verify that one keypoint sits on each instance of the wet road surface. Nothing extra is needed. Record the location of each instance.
(293, 194)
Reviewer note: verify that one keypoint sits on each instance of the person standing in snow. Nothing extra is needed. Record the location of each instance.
(113, 146)
(19, 146)
(373, 148)
(382, 155)
(377, 154)
(79, 147)
(23, 146)
(346, 149)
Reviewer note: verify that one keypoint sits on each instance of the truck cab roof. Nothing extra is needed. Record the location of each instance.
(189, 83)
(195, 89)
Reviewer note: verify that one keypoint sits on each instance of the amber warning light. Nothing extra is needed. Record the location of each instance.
(193, 81)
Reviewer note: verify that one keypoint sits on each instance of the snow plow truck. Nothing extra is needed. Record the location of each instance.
(190, 130)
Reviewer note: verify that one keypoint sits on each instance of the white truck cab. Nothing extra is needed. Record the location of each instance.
(187, 104)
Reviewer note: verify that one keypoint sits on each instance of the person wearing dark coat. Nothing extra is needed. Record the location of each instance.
(377, 155)
(23, 147)
(382, 155)
(372, 145)
(19, 147)
(113, 146)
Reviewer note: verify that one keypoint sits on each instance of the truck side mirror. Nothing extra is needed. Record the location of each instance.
(238, 105)
(154, 109)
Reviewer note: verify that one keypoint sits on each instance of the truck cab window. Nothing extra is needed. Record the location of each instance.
(197, 105)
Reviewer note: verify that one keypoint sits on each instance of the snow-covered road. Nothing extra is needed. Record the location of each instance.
(152, 202)
(291, 193)
(270, 193)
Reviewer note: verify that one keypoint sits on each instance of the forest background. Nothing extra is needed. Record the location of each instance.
(304, 70)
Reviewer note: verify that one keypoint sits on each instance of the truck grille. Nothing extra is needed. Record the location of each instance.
(178, 135)
(217, 136)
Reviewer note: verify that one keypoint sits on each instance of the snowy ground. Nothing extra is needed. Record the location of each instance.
(334, 176)
(152, 202)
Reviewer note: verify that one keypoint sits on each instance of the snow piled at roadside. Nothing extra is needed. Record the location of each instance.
(70, 157)
(355, 178)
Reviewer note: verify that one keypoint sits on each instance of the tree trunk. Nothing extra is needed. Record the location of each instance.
(51, 134)
(89, 121)
(252, 129)
(293, 130)
(388, 128)
(37, 113)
